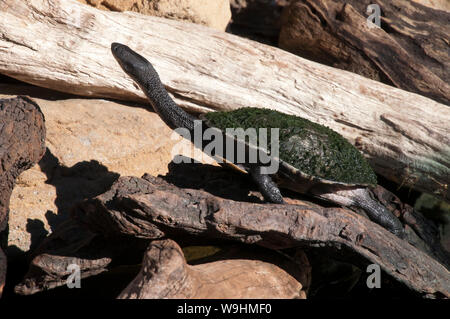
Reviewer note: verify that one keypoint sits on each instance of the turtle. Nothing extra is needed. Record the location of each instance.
(312, 159)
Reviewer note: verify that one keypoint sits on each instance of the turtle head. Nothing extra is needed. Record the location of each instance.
(135, 65)
(145, 75)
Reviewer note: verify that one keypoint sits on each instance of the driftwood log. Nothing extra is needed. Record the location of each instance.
(234, 273)
(404, 135)
(152, 208)
(272, 277)
(410, 50)
(22, 136)
(95, 254)
(165, 274)
(72, 244)
(204, 203)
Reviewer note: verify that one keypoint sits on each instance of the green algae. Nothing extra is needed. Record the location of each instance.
(310, 147)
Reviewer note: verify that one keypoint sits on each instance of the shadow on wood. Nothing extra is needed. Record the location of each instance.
(150, 208)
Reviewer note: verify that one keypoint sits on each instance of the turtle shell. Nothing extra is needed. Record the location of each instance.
(306, 149)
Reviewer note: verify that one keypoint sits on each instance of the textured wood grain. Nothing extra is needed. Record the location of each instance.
(22, 144)
(409, 50)
(64, 45)
(165, 274)
(197, 204)
(151, 208)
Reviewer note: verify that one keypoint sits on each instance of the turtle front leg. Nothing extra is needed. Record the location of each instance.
(266, 185)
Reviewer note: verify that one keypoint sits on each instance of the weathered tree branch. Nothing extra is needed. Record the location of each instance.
(72, 244)
(404, 135)
(165, 274)
(152, 208)
(22, 136)
(410, 50)
(197, 202)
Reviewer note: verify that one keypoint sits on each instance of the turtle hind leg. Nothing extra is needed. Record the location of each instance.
(266, 185)
(379, 214)
(361, 197)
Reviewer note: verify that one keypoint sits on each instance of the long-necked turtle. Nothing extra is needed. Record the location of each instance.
(313, 159)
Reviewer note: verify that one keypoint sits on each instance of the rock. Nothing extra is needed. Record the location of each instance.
(22, 135)
(212, 13)
(165, 274)
(90, 143)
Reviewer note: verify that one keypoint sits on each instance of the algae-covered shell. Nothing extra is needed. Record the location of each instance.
(306, 148)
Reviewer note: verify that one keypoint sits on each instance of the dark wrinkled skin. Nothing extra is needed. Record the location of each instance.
(143, 73)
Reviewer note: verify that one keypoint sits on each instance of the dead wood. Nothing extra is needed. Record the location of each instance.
(410, 50)
(72, 244)
(204, 203)
(404, 135)
(152, 208)
(165, 274)
(95, 254)
(22, 136)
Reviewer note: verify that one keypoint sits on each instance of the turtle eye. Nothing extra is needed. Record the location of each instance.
(131, 62)
(119, 50)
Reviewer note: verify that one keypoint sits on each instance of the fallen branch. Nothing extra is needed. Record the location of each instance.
(204, 203)
(72, 244)
(409, 49)
(404, 135)
(165, 274)
(22, 136)
(151, 208)
(94, 254)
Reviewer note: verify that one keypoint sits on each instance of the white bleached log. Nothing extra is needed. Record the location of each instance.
(64, 45)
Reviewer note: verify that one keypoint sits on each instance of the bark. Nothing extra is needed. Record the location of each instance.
(72, 244)
(95, 254)
(404, 135)
(22, 136)
(410, 50)
(152, 208)
(197, 203)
